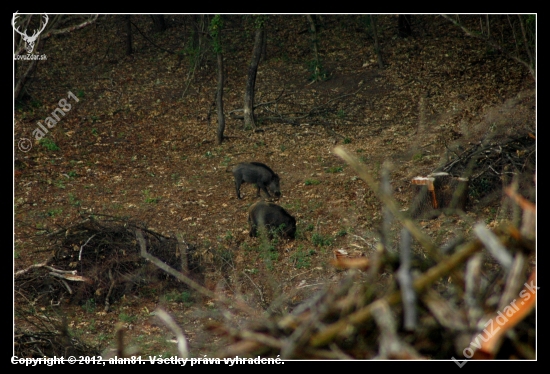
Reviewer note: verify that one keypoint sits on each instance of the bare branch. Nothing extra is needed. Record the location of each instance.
(494, 246)
(183, 348)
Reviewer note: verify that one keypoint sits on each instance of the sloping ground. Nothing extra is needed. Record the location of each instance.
(132, 146)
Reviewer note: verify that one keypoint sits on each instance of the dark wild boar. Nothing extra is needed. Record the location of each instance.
(259, 174)
(273, 217)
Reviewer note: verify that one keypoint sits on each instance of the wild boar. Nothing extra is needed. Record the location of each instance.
(273, 218)
(259, 174)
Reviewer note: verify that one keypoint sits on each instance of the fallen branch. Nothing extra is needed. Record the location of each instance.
(183, 347)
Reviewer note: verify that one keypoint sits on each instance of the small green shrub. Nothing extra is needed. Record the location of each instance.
(48, 144)
(149, 199)
(335, 169)
(341, 233)
(228, 236)
(126, 318)
(89, 306)
(311, 182)
(302, 258)
(185, 297)
(54, 212)
(73, 200)
(318, 72)
(321, 241)
(226, 160)
(269, 252)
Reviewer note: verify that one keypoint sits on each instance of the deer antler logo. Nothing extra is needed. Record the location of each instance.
(29, 39)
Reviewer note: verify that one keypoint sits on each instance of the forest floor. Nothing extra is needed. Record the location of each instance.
(140, 143)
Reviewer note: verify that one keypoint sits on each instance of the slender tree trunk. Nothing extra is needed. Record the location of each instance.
(251, 80)
(316, 62)
(158, 22)
(128, 25)
(219, 99)
(376, 44)
(404, 25)
(216, 25)
(198, 22)
(264, 47)
(22, 80)
(525, 43)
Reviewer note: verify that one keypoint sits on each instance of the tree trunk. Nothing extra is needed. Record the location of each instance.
(263, 54)
(316, 62)
(219, 99)
(158, 22)
(251, 80)
(128, 35)
(198, 27)
(21, 79)
(525, 42)
(216, 25)
(376, 44)
(404, 25)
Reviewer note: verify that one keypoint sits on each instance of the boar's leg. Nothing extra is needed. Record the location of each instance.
(238, 188)
(252, 232)
(264, 188)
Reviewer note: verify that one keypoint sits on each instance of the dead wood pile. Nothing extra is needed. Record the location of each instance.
(100, 260)
(477, 175)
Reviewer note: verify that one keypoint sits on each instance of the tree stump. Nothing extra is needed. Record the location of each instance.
(438, 193)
